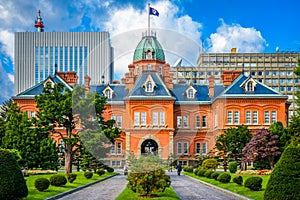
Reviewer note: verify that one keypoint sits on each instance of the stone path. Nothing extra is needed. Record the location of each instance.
(105, 190)
(186, 188)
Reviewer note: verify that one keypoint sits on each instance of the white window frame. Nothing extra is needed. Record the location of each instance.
(155, 118)
(179, 148)
(119, 121)
(267, 117)
(185, 121)
(274, 116)
(136, 118)
(204, 121)
(179, 121)
(197, 122)
(248, 117)
(143, 118)
(236, 117)
(229, 117)
(255, 117)
(204, 148)
(198, 148)
(119, 148)
(185, 148)
(162, 118)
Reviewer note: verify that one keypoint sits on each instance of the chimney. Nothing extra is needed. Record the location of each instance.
(229, 76)
(69, 77)
(211, 84)
(87, 80)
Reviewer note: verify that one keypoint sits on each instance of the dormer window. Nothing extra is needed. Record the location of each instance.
(250, 86)
(108, 92)
(190, 92)
(149, 84)
(149, 55)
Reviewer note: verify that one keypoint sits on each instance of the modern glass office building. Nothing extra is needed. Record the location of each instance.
(39, 54)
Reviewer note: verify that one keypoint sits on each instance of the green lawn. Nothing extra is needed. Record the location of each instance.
(256, 195)
(168, 194)
(34, 194)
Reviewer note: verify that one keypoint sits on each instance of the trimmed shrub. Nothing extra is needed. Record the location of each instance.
(188, 169)
(284, 180)
(201, 172)
(58, 180)
(232, 167)
(100, 172)
(12, 184)
(224, 178)
(208, 173)
(215, 175)
(210, 163)
(41, 184)
(71, 177)
(196, 171)
(88, 175)
(110, 169)
(238, 180)
(254, 183)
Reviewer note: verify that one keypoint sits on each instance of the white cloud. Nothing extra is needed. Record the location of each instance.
(6, 86)
(11, 77)
(178, 35)
(7, 40)
(235, 36)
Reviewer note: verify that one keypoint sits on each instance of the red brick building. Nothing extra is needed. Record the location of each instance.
(174, 121)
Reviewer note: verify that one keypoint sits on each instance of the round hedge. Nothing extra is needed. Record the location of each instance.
(41, 184)
(12, 184)
(284, 181)
(238, 180)
(100, 172)
(208, 173)
(210, 163)
(110, 169)
(58, 180)
(71, 177)
(215, 175)
(88, 175)
(254, 183)
(232, 167)
(224, 178)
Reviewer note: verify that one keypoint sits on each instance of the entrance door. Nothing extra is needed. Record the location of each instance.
(149, 147)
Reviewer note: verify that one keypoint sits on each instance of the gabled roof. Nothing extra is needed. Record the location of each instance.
(38, 88)
(236, 89)
(160, 91)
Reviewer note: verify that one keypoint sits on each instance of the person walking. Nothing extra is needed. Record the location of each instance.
(179, 168)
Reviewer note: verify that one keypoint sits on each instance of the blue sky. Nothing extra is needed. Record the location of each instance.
(250, 26)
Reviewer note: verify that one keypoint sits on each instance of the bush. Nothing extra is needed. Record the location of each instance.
(188, 169)
(58, 180)
(201, 172)
(208, 173)
(284, 180)
(41, 184)
(254, 183)
(12, 184)
(100, 172)
(196, 171)
(210, 163)
(71, 177)
(110, 169)
(88, 175)
(224, 178)
(215, 175)
(232, 167)
(238, 180)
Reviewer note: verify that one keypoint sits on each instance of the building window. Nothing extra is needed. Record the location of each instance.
(179, 121)
(149, 87)
(190, 94)
(203, 121)
(204, 148)
(250, 86)
(185, 121)
(149, 66)
(179, 148)
(119, 148)
(108, 94)
(255, 117)
(119, 121)
(274, 116)
(267, 117)
(236, 117)
(197, 121)
(143, 118)
(229, 117)
(248, 117)
(198, 148)
(32, 114)
(155, 118)
(186, 148)
(136, 118)
(162, 118)
(113, 149)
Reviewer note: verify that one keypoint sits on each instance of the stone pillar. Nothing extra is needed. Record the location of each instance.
(171, 143)
(127, 143)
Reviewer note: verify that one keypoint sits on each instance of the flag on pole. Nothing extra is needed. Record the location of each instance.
(153, 11)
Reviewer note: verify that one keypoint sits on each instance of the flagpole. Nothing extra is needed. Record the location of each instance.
(148, 19)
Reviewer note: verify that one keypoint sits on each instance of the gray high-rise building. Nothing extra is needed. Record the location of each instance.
(40, 54)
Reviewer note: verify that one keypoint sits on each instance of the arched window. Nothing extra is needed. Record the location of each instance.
(250, 86)
(190, 93)
(149, 87)
(108, 94)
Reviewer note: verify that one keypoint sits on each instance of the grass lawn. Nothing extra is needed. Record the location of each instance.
(256, 195)
(168, 194)
(34, 194)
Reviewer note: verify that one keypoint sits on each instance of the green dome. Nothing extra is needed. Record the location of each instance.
(149, 49)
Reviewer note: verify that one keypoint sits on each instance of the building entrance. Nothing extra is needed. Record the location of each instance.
(149, 147)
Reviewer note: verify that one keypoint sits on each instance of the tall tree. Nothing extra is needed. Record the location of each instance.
(233, 141)
(75, 112)
(263, 144)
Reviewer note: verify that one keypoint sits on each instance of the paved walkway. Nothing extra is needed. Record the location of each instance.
(186, 188)
(105, 190)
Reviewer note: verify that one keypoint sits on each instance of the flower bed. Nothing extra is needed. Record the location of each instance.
(255, 172)
(40, 172)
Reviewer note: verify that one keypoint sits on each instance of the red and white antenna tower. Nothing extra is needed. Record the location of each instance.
(39, 22)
